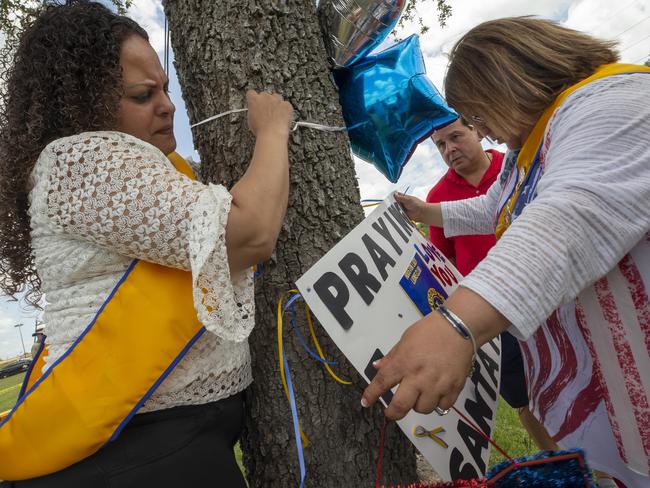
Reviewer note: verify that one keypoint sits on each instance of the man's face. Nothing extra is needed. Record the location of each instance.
(460, 147)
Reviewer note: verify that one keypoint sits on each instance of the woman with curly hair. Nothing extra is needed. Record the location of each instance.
(570, 272)
(145, 271)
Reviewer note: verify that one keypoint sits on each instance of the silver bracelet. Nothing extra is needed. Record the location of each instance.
(459, 326)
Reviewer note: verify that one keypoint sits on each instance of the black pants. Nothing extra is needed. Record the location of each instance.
(176, 447)
(513, 376)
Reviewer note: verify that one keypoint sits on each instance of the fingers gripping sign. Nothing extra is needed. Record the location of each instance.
(414, 207)
(419, 210)
(430, 363)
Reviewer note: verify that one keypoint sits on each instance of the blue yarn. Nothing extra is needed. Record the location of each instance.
(568, 473)
(291, 303)
(302, 341)
(259, 269)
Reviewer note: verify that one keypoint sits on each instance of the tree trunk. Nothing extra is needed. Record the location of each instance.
(223, 48)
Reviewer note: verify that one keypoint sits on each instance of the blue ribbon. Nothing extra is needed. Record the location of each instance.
(296, 427)
(291, 303)
(259, 269)
(302, 341)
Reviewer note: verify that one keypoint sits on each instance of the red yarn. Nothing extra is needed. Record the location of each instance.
(480, 483)
(381, 451)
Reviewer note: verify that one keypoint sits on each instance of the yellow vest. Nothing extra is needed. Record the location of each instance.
(144, 328)
(527, 161)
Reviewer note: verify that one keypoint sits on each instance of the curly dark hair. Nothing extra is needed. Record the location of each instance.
(65, 79)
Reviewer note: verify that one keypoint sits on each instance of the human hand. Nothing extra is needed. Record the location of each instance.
(414, 207)
(268, 113)
(430, 362)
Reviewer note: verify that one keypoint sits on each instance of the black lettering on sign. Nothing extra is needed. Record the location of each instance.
(491, 366)
(459, 469)
(382, 229)
(474, 442)
(333, 292)
(399, 217)
(478, 409)
(479, 379)
(371, 372)
(356, 271)
(380, 257)
(406, 218)
(395, 226)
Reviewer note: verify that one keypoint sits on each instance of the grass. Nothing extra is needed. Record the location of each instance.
(510, 435)
(238, 458)
(9, 388)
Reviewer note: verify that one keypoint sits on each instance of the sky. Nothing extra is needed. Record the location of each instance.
(627, 22)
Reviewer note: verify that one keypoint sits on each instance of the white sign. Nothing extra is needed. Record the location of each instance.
(366, 291)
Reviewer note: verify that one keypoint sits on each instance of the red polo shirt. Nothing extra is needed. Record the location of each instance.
(467, 251)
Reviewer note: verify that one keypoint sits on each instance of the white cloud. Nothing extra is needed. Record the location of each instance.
(10, 345)
(12, 313)
(628, 23)
(5, 321)
(150, 15)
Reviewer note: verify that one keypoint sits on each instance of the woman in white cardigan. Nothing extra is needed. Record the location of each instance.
(87, 188)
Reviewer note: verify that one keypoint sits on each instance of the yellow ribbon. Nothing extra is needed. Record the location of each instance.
(419, 431)
(305, 440)
(312, 331)
(318, 349)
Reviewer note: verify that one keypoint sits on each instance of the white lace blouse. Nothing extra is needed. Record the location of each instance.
(100, 199)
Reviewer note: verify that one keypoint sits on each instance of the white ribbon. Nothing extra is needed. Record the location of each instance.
(308, 125)
(218, 116)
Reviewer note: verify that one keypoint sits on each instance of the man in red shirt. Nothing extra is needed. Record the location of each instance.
(471, 172)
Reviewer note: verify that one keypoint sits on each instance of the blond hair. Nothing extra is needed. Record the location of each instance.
(507, 71)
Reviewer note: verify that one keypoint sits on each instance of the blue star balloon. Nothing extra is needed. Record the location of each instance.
(390, 106)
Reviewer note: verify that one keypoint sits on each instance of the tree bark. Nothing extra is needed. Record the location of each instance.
(222, 48)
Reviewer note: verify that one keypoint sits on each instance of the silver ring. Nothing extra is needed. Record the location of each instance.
(441, 411)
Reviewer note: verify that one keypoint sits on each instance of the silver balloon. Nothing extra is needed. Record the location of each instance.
(351, 28)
